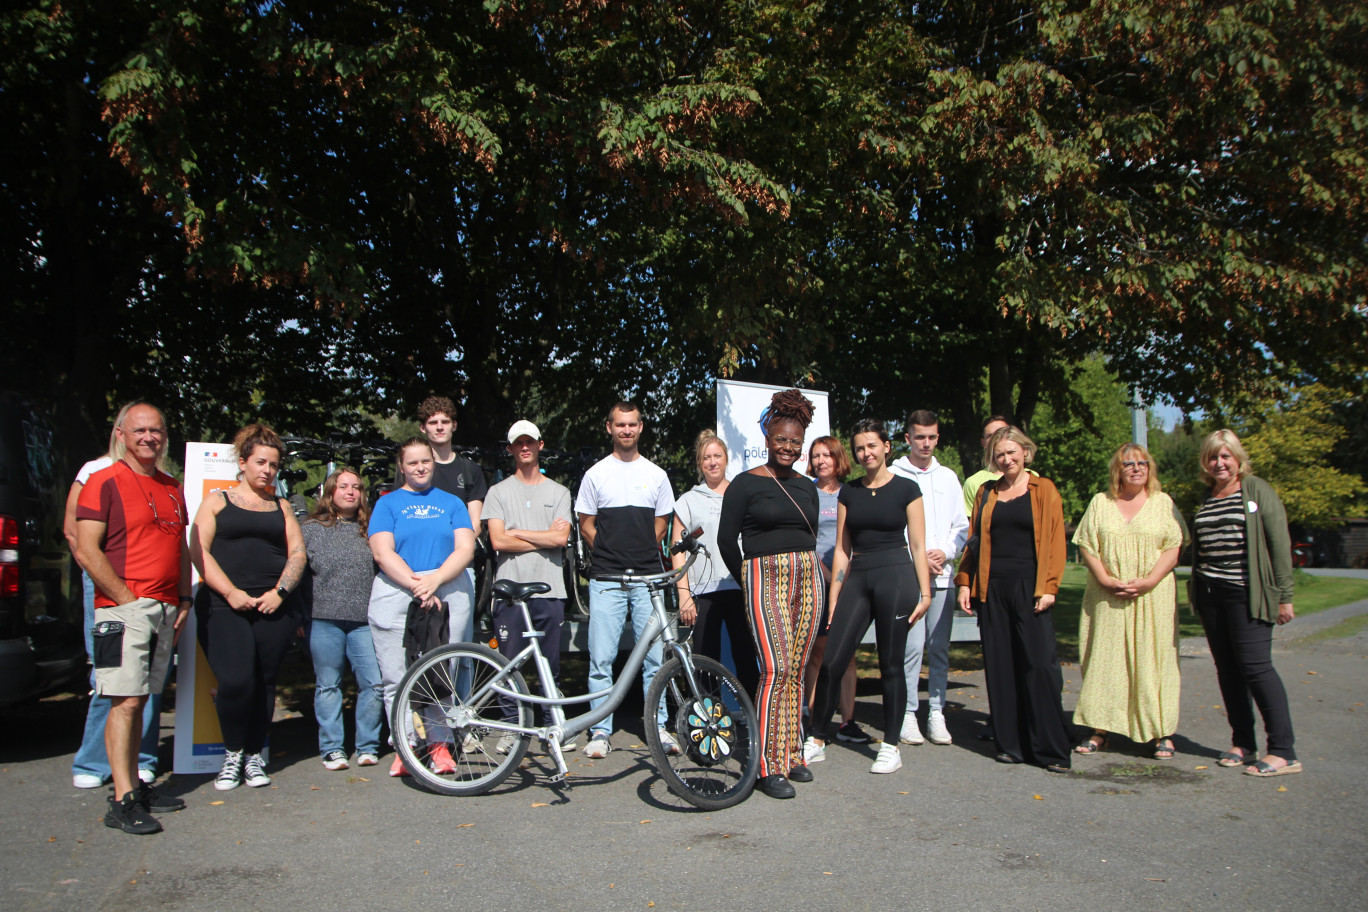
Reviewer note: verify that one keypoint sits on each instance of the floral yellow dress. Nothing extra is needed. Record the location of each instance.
(1129, 647)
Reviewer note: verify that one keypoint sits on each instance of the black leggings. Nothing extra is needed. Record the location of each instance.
(727, 608)
(244, 651)
(880, 587)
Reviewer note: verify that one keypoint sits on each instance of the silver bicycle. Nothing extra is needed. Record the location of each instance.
(484, 702)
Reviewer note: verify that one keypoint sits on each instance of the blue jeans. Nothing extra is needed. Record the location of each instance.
(91, 757)
(333, 644)
(930, 636)
(608, 607)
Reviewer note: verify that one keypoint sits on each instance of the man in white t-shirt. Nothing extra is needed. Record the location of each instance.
(625, 502)
(947, 528)
(528, 516)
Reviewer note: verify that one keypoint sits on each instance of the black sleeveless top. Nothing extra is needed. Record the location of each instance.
(249, 547)
(1012, 531)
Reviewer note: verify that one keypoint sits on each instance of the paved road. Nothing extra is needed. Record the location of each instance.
(952, 831)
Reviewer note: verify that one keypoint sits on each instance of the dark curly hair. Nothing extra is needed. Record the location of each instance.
(788, 405)
(257, 435)
(436, 405)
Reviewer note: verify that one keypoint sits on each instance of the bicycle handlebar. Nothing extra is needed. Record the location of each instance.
(663, 579)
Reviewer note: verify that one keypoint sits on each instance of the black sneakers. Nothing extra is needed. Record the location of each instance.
(130, 815)
(157, 803)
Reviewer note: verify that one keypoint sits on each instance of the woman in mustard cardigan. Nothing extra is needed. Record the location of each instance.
(1012, 568)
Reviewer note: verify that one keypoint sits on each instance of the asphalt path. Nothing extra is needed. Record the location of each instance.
(953, 830)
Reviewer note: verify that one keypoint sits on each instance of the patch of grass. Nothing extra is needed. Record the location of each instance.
(1346, 628)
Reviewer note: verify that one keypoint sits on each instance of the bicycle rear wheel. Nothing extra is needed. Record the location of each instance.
(438, 715)
(717, 732)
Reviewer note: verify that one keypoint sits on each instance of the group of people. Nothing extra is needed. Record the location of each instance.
(804, 567)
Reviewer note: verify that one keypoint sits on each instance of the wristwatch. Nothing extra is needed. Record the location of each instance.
(282, 592)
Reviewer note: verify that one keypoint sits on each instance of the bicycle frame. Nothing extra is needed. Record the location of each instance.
(658, 629)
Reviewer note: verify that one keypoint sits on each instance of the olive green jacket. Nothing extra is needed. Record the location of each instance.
(1268, 549)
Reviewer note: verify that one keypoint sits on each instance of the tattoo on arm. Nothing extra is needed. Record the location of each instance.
(840, 575)
(294, 569)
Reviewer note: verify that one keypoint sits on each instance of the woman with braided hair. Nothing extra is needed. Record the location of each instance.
(773, 510)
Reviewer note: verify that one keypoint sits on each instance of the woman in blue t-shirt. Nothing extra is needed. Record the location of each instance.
(422, 541)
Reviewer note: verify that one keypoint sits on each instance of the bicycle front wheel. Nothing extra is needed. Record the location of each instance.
(439, 715)
(716, 730)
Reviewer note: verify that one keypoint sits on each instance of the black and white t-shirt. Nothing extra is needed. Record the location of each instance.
(625, 498)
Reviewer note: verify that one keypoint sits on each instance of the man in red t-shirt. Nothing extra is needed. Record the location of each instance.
(130, 539)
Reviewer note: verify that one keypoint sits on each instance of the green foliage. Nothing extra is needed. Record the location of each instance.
(1288, 447)
(1077, 435)
(301, 210)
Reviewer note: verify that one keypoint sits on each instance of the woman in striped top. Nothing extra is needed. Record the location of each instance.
(1241, 586)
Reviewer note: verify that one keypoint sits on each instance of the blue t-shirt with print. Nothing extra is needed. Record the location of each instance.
(423, 525)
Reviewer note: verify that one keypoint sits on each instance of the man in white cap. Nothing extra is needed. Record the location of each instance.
(528, 516)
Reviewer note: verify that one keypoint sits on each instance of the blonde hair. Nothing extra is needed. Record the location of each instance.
(1028, 447)
(117, 451)
(1152, 485)
(706, 437)
(1214, 441)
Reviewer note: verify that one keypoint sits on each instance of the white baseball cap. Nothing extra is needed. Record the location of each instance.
(523, 428)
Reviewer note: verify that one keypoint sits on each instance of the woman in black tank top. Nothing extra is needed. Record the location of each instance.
(249, 551)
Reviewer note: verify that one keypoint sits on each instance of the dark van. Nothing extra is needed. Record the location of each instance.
(41, 642)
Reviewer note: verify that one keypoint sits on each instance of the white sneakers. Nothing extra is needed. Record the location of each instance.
(936, 732)
(814, 751)
(598, 746)
(888, 761)
(86, 781)
(911, 734)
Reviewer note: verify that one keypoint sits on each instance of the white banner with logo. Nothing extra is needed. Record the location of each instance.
(739, 409)
(209, 468)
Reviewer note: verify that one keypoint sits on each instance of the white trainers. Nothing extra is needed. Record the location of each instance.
(367, 759)
(230, 776)
(254, 772)
(506, 743)
(86, 781)
(598, 746)
(146, 776)
(335, 760)
(570, 745)
(668, 742)
(814, 751)
(911, 734)
(936, 732)
(888, 761)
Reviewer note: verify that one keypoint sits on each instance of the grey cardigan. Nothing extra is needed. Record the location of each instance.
(1268, 548)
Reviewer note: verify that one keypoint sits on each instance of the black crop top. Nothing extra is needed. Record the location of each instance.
(769, 515)
(876, 519)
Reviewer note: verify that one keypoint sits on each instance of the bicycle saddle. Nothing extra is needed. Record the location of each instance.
(519, 592)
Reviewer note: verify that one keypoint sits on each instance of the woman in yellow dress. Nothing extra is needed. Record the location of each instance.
(1129, 538)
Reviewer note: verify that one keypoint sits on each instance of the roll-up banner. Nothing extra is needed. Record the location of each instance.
(209, 468)
(739, 409)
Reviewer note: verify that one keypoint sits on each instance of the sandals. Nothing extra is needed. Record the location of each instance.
(1163, 748)
(1266, 771)
(1230, 759)
(1092, 746)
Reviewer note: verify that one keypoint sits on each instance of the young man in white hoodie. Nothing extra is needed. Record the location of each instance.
(947, 527)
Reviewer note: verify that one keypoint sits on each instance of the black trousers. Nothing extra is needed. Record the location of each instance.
(548, 617)
(244, 649)
(880, 588)
(727, 609)
(1022, 671)
(1242, 648)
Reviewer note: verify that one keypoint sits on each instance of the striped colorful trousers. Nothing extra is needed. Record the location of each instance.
(784, 594)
